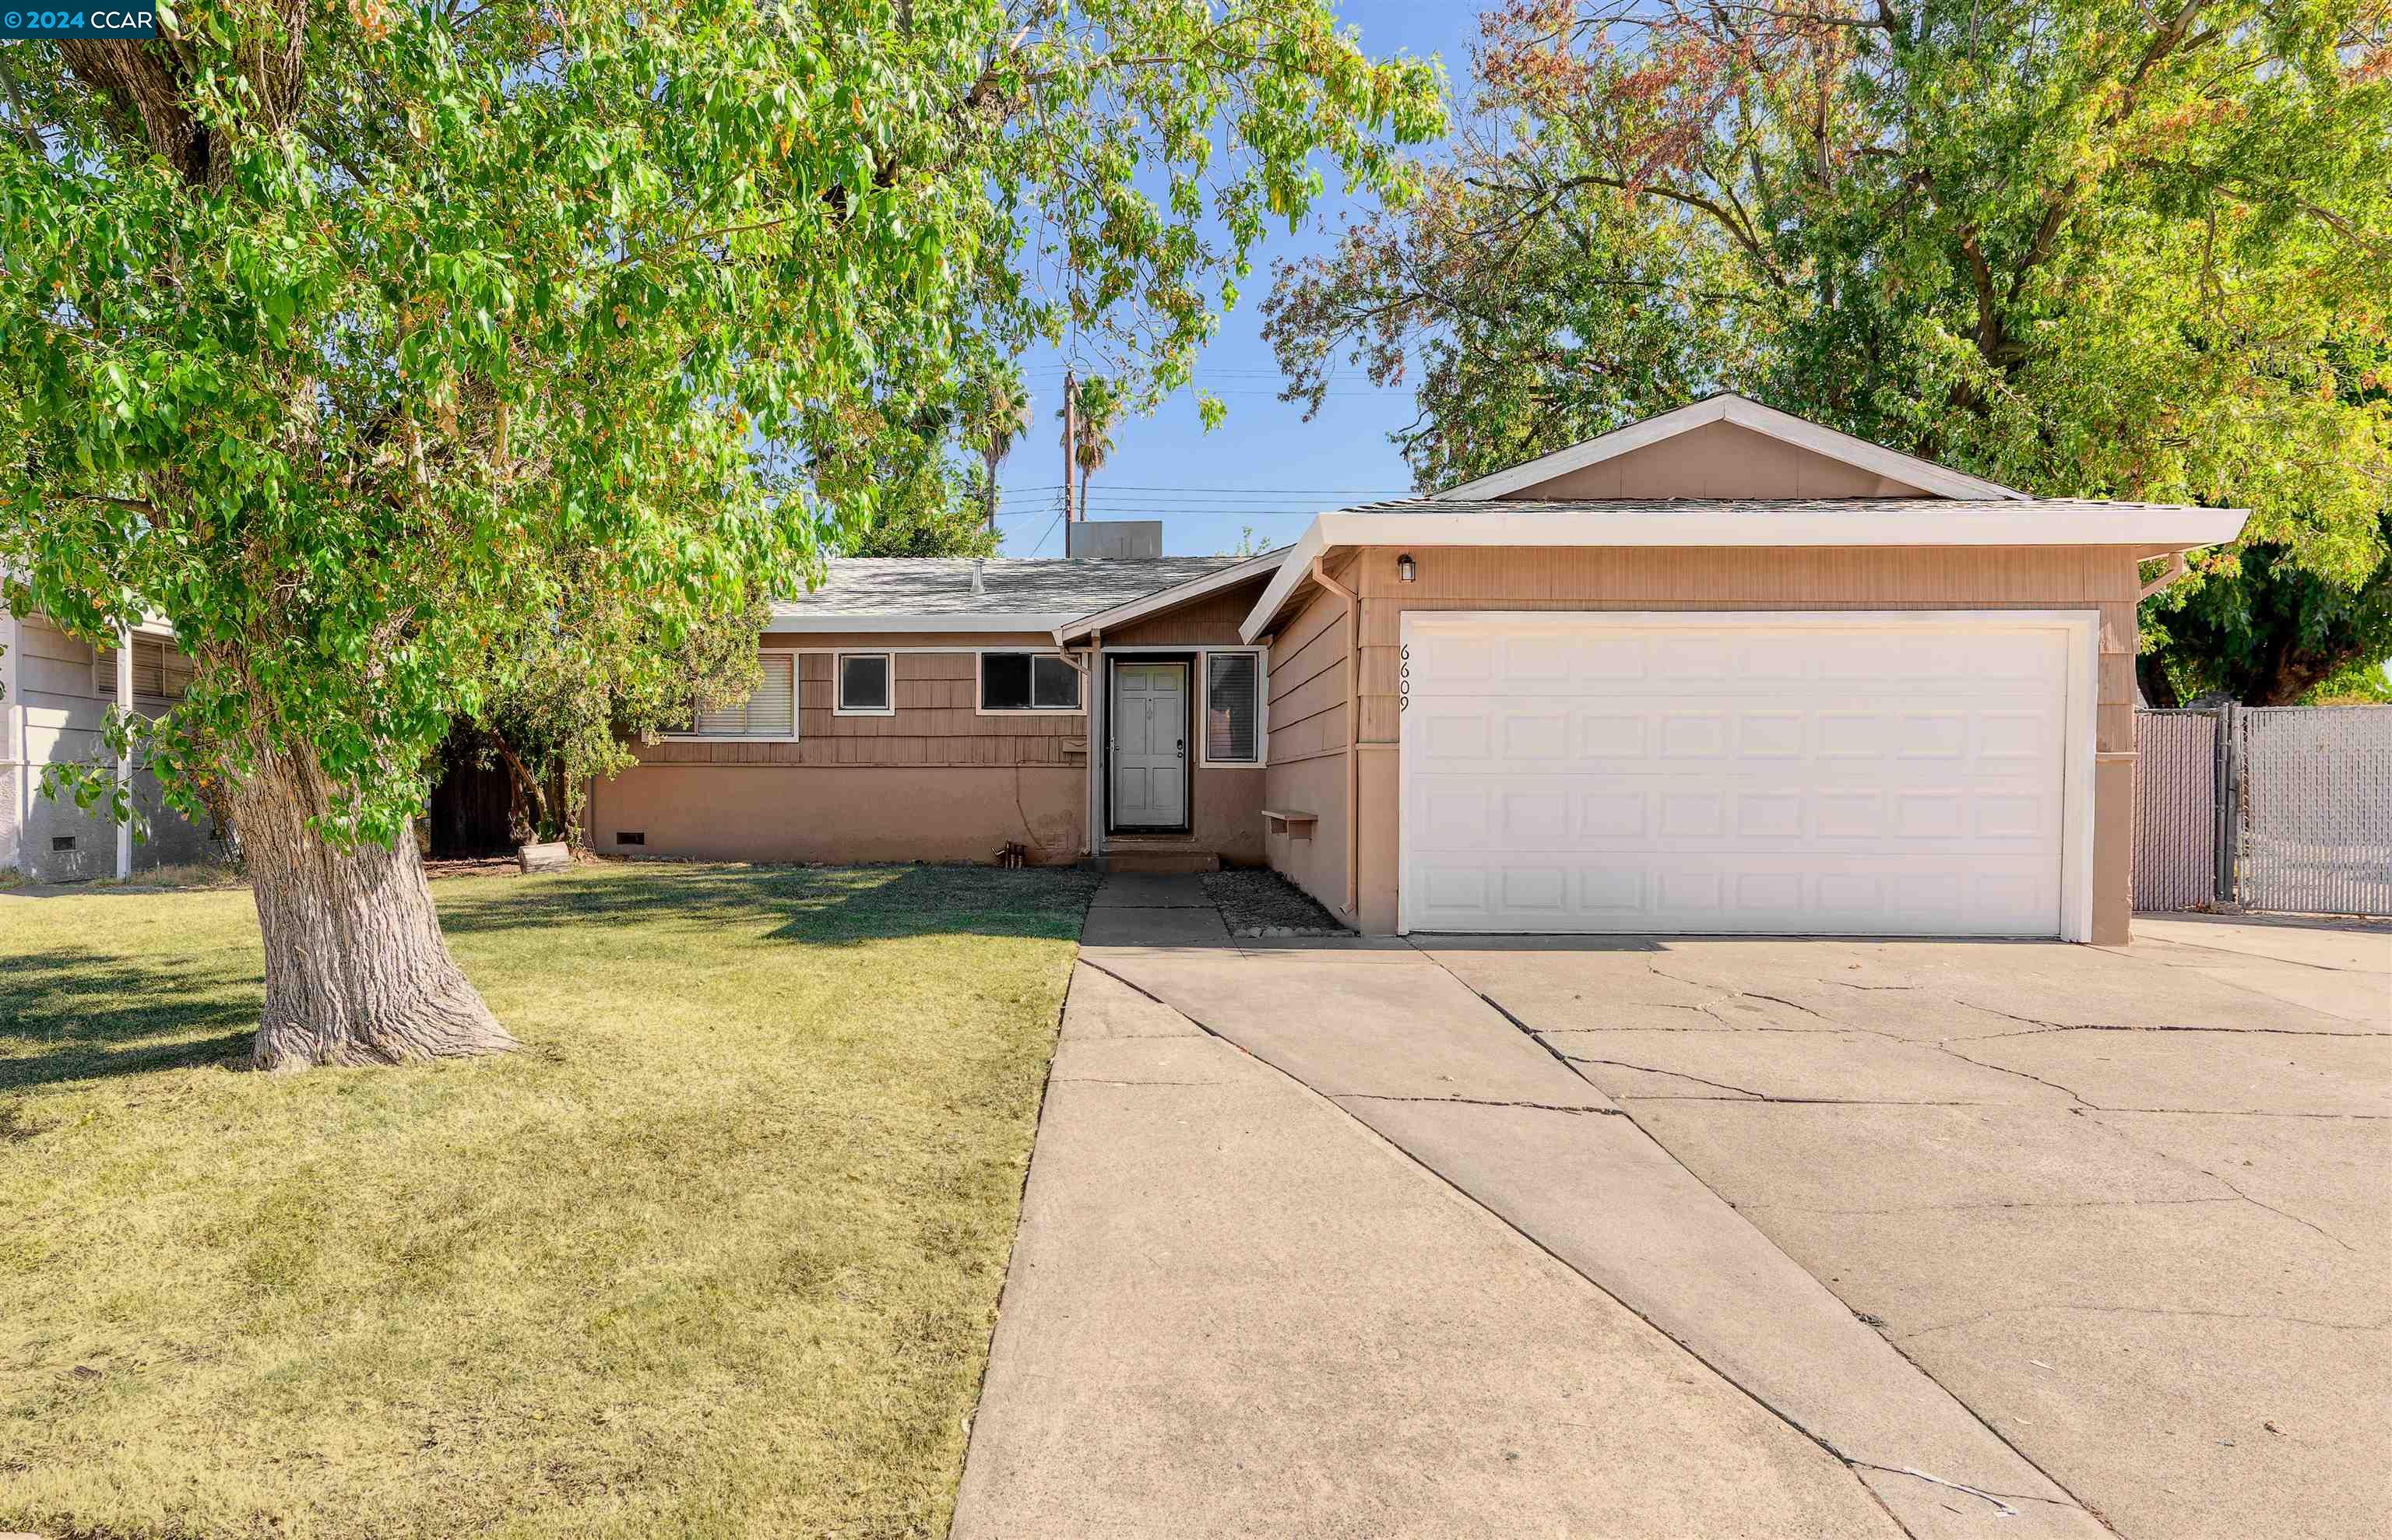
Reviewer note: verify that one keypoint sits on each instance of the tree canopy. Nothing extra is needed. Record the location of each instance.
(2127, 249)
(354, 338)
(331, 330)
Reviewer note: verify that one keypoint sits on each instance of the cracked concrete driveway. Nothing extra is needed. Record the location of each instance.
(2130, 1205)
(1678, 1237)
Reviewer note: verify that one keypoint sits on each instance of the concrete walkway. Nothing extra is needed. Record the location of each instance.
(1233, 1310)
(1384, 1276)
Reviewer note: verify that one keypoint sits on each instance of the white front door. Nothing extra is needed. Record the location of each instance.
(1854, 774)
(1150, 745)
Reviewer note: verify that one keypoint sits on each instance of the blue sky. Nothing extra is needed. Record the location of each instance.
(1265, 467)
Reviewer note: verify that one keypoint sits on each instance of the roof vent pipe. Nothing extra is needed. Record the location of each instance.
(978, 586)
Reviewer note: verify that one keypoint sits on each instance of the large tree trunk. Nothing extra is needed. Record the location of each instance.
(357, 971)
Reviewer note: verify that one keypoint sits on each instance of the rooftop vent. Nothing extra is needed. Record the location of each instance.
(979, 584)
(1117, 539)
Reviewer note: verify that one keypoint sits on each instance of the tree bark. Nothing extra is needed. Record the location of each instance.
(357, 971)
(527, 799)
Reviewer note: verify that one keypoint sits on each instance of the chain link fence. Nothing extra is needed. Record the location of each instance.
(2269, 808)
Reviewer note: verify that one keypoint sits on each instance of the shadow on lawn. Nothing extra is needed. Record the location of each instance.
(820, 905)
(86, 1014)
(77, 1013)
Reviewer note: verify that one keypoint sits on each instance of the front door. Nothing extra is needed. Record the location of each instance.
(1150, 739)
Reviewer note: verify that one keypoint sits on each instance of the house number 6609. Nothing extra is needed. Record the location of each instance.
(1404, 679)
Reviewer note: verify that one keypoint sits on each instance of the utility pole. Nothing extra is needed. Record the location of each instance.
(1070, 441)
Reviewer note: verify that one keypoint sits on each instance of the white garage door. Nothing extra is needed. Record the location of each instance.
(1830, 774)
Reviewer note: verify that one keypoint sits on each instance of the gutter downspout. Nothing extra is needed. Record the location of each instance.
(2176, 568)
(1353, 732)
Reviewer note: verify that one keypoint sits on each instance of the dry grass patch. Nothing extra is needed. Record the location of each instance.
(718, 1255)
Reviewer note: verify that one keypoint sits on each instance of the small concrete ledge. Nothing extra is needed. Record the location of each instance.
(1294, 825)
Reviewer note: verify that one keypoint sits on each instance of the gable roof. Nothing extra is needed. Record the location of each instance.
(1245, 571)
(934, 593)
(1746, 413)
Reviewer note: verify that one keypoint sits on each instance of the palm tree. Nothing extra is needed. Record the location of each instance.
(1100, 414)
(1004, 417)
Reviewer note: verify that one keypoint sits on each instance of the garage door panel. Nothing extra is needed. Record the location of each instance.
(1658, 814)
(1752, 778)
(1606, 734)
(1532, 737)
(1746, 896)
(1661, 662)
(1765, 741)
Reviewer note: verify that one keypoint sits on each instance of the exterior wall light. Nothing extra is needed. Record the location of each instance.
(1407, 569)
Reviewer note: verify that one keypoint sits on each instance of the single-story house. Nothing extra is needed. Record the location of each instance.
(1723, 670)
(55, 692)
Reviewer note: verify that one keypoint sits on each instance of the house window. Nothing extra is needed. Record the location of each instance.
(1028, 681)
(1232, 708)
(771, 712)
(159, 672)
(863, 689)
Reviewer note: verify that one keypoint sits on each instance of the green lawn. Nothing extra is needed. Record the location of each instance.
(717, 1255)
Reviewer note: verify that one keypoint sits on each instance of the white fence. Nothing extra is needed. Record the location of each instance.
(2272, 808)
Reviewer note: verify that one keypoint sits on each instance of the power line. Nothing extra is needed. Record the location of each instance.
(1275, 491)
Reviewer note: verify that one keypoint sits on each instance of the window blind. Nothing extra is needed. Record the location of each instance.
(771, 712)
(158, 670)
(1231, 686)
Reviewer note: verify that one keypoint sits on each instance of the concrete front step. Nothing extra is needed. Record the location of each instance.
(1155, 861)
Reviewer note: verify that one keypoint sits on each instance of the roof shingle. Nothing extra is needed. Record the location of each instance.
(1064, 589)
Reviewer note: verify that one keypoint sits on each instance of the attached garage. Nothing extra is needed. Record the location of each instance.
(1721, 671)
(1840, 773)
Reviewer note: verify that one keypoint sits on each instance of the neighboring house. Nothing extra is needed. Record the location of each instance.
(1723, 670)
(55, 692)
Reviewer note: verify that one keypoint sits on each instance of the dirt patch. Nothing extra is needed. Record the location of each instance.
(1259, 902)
(472, 866)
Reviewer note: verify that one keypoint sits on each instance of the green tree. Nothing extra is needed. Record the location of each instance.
(2270, 631)
(2128, 249)
(591, 682)
(999, 412)
(355, 339)
(937, 513)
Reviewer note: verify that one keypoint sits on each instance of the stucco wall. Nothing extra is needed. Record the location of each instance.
(836, 813)
(2102, 579)
(54, 712)
(1225, 813)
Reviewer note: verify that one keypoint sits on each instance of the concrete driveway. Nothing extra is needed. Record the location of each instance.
(1662, 1237)
(2133, 1206)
